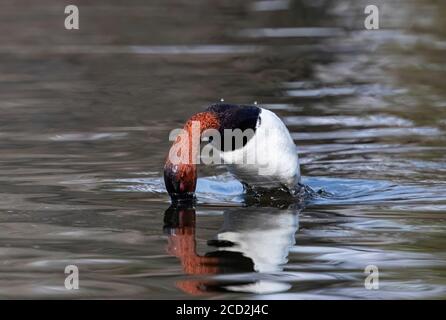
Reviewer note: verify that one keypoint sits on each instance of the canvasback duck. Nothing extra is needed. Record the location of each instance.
(252, 142)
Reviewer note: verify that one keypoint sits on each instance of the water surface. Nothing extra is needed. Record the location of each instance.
(85, 117)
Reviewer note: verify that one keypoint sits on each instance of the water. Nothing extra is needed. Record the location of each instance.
(85, 117)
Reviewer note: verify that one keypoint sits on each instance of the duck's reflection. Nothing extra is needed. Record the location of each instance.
(251, 242)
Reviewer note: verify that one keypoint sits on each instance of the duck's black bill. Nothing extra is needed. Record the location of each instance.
(183, 199)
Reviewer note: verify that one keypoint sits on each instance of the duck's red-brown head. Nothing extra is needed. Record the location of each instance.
(180, 170)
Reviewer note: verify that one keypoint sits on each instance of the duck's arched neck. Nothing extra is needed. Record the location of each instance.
(180, 169)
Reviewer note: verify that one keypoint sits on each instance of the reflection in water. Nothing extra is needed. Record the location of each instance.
(249, 241)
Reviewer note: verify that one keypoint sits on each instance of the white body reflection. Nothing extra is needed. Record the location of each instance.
(264, 238)
(251, 246)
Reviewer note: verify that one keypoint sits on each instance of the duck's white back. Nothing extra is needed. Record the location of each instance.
(267, 160)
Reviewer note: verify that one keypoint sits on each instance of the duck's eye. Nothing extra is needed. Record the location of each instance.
(260, 120)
